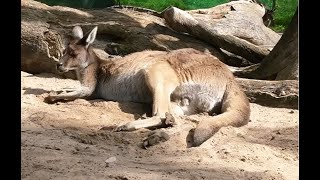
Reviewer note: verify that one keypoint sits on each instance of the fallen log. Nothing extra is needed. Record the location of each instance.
(236, 27)
(283, 94)
(120, 32)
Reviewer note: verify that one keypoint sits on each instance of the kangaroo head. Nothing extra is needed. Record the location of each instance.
(76, 54)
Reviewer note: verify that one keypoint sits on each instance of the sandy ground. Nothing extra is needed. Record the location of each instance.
(73, 140)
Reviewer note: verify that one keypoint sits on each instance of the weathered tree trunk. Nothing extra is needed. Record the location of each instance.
(282, 62)
(284, 93)
(236, 27)
(120, 32)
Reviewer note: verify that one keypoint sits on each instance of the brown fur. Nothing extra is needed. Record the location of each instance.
(179, 82)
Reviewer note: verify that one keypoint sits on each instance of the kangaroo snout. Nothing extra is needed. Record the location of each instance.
(60, 67)
(59, 64)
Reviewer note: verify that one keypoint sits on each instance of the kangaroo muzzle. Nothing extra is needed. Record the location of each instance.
(60, 67)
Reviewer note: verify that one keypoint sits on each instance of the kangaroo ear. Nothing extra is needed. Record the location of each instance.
(92, 35)
(89, 37)
(77, 32)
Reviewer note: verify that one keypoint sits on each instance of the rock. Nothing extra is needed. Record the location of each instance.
(110, 161)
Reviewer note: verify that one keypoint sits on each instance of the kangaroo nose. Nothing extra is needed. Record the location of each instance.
(59, 64)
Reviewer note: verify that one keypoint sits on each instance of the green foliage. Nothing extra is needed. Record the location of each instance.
(160, 5)
(198, 4)
(285, 9)
(80, 3)
(283, 14)
(157, 5)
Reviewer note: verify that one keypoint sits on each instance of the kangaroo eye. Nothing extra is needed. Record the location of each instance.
(72, 54)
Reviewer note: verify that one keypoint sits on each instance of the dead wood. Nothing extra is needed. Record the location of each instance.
(284, 94)
(282, 62)
(236, 27)
(120, 32)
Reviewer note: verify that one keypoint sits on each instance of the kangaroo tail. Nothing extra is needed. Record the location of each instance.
(235, 111)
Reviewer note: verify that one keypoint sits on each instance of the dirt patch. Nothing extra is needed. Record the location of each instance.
(75, 139)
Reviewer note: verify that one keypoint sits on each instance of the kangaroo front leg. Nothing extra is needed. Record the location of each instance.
(153, 122)
(69, 96)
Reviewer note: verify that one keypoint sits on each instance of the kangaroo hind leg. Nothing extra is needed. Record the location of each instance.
(161, 80)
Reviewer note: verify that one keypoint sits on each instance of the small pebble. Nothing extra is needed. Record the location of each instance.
(110, 160)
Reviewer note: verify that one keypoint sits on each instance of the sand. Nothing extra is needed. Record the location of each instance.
(74, 140)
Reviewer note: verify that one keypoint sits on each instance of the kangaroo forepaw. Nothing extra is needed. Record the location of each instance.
(51, 99)
(120, 128)
(125, 127)
(155, 137)
(169, 121)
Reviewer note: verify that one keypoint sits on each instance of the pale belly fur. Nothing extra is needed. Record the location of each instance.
(125, 89)
(190, 98)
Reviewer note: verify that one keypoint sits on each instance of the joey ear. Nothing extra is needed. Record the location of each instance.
(89, 37)
(77, 32)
